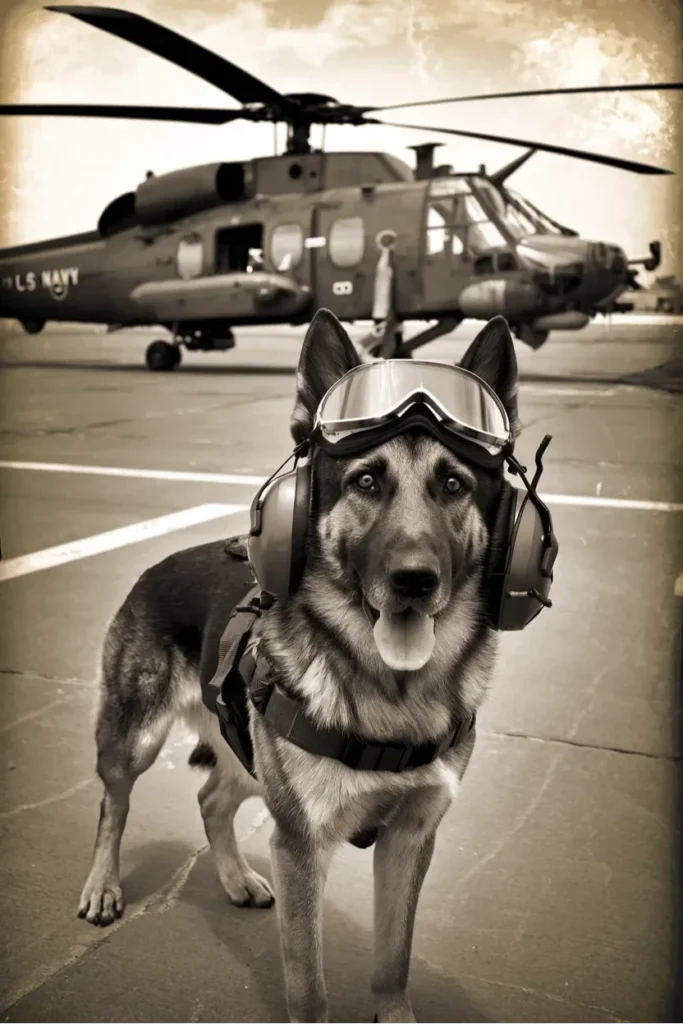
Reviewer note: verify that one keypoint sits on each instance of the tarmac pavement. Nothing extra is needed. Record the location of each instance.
(551, 896)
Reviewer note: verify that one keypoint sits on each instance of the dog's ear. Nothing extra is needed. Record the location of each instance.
(492, 357)
(327, 354)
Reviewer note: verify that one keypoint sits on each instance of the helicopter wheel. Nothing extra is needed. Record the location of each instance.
(33, 326)
(162, 355)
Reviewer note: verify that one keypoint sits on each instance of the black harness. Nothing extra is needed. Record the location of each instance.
(241, 678)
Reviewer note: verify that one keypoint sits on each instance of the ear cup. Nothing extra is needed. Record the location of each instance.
(301, 517)
(279, 526)
(520, 573)
(499, 548)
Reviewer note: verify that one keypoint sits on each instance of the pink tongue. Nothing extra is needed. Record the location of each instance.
(405, 641)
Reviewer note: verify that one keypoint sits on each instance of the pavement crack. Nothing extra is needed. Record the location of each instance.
(197, 1011)
(157, 899)
(62, 680)
(522, 818)
(166, 898)
(57, 702)
(528, 990)
(161, 900)
(565, 742)
(57, 798)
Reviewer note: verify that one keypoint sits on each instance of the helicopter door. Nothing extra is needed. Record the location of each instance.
(342, 283)
(239, 248)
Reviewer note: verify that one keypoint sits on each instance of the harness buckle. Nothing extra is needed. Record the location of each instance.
(375, 757)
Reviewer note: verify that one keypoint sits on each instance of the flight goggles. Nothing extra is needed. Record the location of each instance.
(376, 401)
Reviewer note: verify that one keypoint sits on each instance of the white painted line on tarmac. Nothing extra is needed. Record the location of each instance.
(641, 320)
(588, 392)
(247, 480)
(48, 558)
(633, 504)
(140, 474)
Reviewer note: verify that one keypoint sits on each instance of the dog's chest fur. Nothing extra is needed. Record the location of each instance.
(335, 801)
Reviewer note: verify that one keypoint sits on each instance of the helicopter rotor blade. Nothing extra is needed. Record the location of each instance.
(544, 147)
(180, 51)
(640, 87)
(190, 115)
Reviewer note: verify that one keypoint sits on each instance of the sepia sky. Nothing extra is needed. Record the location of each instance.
(57, 175)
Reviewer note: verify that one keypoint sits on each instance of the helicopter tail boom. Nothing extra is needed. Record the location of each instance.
(59, 279)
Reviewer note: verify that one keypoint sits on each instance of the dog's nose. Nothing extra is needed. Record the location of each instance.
(413, 583)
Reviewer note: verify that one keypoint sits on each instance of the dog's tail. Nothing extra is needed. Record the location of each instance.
(203, 756)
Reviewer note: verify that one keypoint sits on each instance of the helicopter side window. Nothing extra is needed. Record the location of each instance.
(437, 231)
(190, 257)
(484, 265)
(506, 261)
(491, 263)
(347, 242)
(286, 246)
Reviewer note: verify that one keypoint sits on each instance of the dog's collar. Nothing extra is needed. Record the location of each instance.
(240, 676)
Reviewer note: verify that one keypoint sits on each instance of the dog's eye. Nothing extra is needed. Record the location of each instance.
(452, 485)
(365, 482)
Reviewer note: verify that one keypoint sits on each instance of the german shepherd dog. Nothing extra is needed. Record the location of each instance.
(407, 508)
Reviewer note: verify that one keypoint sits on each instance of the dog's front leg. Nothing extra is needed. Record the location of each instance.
(300, 870)
(403, 854)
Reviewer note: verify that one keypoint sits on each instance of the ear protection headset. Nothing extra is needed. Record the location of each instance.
(522, 552)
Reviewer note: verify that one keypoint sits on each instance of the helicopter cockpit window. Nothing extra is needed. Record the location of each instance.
(286, 246)
(474, 227)
(545, 226)
(347, 242)
(190, 257)
(519, 216)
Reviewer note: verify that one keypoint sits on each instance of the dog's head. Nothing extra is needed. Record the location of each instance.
(405, 525)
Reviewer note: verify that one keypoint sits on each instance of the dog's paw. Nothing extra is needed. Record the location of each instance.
(396, 1012)
(251, 890)
(101, 902)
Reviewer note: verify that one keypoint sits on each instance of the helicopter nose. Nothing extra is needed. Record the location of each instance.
(610, 258)
(607, 271)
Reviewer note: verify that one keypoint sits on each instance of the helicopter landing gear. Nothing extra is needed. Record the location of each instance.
(163, 356)
(33, 326)
(437, 330)
(383, 342)
(534, 339)
(390, 346)
(202, 340)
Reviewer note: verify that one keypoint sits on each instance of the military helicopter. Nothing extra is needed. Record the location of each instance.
(203, 250)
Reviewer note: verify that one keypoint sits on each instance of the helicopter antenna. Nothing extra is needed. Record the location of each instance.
(504, 173)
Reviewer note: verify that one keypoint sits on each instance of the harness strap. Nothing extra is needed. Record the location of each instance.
(287, 716)
(239, 678)
(232, 645)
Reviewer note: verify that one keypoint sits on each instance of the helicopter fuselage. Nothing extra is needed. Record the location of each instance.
(272, 240)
